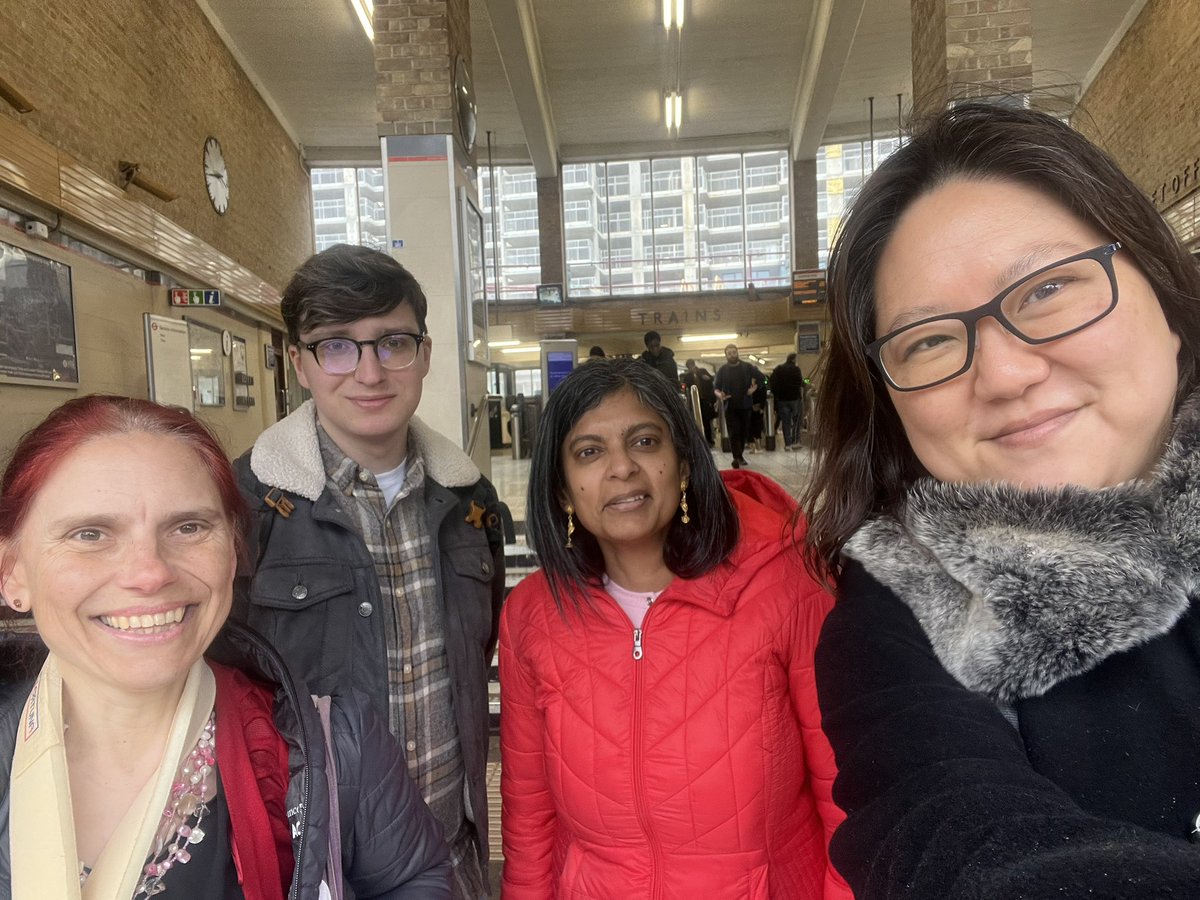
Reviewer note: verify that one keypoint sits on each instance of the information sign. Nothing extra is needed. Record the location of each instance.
(190, 297)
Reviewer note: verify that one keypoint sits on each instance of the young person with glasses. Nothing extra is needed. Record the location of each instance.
(1007, 492)
(380, 553)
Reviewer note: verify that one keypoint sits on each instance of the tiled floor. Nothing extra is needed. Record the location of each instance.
(511, 478)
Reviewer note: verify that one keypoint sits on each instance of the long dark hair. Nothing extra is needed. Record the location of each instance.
(690, 550)
(863, 462)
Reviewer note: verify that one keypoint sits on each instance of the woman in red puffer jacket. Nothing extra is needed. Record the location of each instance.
(660, 734)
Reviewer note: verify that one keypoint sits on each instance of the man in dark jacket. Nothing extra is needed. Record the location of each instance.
(659, 357)
(737, 382)
(787, 384)
(380, 553)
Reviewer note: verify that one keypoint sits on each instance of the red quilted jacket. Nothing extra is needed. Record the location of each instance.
(698, 771)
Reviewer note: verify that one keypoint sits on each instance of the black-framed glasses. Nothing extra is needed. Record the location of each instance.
(1055, 301)
(341, 355)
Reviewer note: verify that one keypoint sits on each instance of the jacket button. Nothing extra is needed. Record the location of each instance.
(365, 609)
(486, 569)
(411, 745)
(299, 592)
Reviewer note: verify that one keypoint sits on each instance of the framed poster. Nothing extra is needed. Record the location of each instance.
(168, 362)
(37, 320)
(474, 287)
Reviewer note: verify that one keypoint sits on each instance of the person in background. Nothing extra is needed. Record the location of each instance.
(660, 734)
(597, 352)
(736, 384)
(787, 385)
(698, 376)
(158, 747)
(1007, 488)
(659, 357)
(379, 545)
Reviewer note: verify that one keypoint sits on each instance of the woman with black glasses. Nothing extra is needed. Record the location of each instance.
(1007, 491)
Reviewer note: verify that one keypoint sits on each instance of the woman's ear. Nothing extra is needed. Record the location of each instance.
(12, 582)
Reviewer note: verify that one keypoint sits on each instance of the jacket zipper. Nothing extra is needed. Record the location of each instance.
(643, 811)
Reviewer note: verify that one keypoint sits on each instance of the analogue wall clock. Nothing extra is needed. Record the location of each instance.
(216, 175)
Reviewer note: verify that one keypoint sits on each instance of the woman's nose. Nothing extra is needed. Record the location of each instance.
(1004, 365)
(147, 568)
(622, 464)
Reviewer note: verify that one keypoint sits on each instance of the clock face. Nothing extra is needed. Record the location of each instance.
(216, 175)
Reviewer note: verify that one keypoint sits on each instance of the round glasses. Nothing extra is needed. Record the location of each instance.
(1055, 301)
(341, 355)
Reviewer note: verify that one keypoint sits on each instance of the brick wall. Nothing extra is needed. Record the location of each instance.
(148, 81)
(1144, 105)
(928, 55)
(416, 44)
(549, 197)
(805, 252)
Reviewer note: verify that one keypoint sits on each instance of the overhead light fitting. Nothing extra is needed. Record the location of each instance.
(704, 338)
(15, 98)
(131, 174)
(672, 13)
(365, 10)
(526, 348)
(503, 343)
(673, 110)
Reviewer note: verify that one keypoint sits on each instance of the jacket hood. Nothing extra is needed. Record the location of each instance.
(288, 455)
(1018, 590)
(764, 511)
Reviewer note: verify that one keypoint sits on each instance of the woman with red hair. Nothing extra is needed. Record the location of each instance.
(156, 747)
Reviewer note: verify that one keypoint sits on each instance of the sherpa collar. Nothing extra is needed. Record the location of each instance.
(288, 456)
(1018, 590)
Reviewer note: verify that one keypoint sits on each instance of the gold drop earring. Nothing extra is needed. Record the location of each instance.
(570, 525)
(683, 501)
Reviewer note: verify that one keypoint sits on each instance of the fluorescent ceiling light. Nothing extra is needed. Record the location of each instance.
(672, 13)
(701, 338)
(526, 348)
(196, 350)
(365, 10)
(673, 109)
(503, 343)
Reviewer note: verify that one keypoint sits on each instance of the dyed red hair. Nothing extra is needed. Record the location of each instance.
(78, 421)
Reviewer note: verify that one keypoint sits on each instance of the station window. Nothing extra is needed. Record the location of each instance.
(841, 171)
(511, 242)
(348, 207)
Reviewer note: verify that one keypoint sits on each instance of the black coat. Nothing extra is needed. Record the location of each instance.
(787, 382)
(1010, 681)
(391, 845)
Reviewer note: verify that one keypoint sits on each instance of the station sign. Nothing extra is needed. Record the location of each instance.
(189, 297)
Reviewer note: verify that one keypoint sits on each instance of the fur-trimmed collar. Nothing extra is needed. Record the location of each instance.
(287, 455)
(1018, 590)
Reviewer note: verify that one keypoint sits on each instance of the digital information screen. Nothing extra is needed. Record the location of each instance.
(559, 364)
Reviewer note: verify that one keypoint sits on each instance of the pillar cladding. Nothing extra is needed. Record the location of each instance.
(805, 252)
(416, 45)
(965, 49)
(549, 201)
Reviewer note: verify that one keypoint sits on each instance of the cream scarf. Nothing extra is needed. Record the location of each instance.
(42, 826)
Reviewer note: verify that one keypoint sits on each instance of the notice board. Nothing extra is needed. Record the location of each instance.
(168, 361)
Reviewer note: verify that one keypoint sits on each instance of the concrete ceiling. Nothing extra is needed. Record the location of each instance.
(563, 80)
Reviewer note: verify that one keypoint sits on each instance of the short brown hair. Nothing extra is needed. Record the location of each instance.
(344, 284)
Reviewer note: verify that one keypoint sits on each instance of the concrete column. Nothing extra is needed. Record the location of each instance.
(964, 49)
(804, 214)
(550, 229)
(431, 198)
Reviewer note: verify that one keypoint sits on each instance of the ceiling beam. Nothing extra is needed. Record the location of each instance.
(831, 33)
(515, 28)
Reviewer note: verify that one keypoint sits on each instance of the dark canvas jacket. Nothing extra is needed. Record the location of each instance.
(664, 362)
(391, 845)
(314, 591)
(1070, 614)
